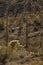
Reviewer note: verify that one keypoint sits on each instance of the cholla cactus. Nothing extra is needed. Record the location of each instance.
(12, 47)
(13, 43)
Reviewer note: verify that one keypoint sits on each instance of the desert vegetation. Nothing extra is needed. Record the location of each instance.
(21, 32)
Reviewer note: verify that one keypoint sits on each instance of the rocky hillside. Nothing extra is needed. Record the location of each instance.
(21, 20)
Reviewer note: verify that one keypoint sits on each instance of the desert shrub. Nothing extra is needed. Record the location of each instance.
(12, 48)
(15, 50)
(13, 43)
(8, 53)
